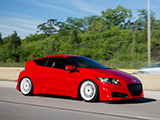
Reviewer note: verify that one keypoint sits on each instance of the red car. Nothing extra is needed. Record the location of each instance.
(77, 76)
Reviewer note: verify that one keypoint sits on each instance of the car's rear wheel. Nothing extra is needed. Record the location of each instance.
(89, 91)
(26, 86)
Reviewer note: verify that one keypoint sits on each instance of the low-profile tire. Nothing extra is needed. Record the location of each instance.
(89, 91)
(26, 86)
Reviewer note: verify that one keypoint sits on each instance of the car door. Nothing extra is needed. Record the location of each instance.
(56, 78)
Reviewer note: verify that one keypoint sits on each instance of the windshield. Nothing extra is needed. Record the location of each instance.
(155, 65)
(85, 62)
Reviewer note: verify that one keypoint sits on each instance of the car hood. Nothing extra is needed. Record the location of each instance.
(117, 74)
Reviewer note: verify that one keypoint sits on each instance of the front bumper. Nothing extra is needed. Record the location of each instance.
(109, 92)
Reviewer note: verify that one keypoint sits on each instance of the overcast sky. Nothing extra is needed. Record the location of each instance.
(24, 15)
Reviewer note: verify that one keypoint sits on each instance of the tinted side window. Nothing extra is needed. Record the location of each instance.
(58, 62)
(41, 62)
(85, 62)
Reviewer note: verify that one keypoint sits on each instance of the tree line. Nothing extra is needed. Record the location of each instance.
(114, 36)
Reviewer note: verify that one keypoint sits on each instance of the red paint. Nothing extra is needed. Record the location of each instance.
(48, 80)
(69, 67)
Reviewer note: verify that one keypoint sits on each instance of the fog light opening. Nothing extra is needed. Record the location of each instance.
(117, 94)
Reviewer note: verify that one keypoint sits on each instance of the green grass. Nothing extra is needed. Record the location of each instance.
(11, 64)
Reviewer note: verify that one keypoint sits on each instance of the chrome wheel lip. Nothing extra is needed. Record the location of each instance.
(88, 90)
(25, 86)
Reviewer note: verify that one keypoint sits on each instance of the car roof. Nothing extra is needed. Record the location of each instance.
(58, 55)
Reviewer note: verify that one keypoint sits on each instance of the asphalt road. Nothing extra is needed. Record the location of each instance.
(15, 106)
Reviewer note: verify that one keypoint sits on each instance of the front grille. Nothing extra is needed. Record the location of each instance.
(135, 89)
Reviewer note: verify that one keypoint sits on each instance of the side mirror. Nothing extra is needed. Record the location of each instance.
(69, 67)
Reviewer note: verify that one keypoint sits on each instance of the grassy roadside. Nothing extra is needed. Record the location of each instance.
(11, 64)
(8, 80)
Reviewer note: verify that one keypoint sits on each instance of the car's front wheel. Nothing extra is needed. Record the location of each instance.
(89, 91)
(26, 86)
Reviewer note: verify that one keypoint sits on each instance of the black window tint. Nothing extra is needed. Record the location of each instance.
(41, 62)
(58, 62)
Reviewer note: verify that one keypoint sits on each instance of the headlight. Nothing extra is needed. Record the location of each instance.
(109, 80)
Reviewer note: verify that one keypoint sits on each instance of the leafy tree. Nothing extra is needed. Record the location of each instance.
(116, 16)
(98, 25)
(1, 40)
(73, 38)
(11, 49)
(50, 27)
(113, 38)
(33, 37)
(155, 41)
(52, 47)
(89, 20)
(74, 23)
(141, 22)
(14, 47)
(15, 41)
